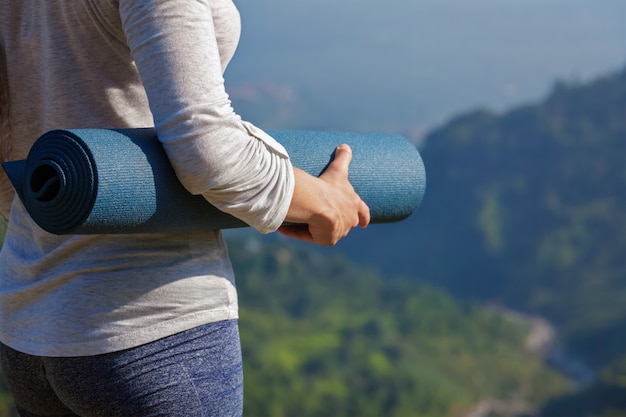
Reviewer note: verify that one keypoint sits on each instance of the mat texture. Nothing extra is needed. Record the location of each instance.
(120, 181)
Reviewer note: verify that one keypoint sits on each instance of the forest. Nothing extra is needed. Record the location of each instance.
(524, 218)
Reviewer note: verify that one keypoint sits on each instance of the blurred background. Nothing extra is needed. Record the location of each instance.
(503, 294)
(412, 64)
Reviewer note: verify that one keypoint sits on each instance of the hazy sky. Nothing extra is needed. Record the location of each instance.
(420, 61)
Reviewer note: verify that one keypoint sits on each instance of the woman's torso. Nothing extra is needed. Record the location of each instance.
(69, 67)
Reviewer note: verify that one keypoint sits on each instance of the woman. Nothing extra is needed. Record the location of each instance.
(140, 325)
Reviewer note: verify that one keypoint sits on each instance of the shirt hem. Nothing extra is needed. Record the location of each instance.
(130, 339)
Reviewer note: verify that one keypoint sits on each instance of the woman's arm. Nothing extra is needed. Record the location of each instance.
(235, 166)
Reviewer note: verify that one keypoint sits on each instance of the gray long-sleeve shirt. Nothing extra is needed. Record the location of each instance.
(115, 64)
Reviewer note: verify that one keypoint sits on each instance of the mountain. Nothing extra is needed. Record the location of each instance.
(527, 209)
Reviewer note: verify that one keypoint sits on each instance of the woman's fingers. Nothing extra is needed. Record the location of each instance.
(323, 210)
(364, 214)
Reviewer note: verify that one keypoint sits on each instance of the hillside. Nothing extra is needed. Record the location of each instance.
(325, 337)
(527, 209)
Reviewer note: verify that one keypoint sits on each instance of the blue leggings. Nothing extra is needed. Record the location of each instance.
(195, 373)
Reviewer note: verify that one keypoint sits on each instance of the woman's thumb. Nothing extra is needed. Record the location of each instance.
(343, 156)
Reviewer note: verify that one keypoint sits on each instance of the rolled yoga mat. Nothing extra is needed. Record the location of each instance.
(87, 181)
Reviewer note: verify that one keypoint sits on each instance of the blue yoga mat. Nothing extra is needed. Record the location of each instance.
(87, 181)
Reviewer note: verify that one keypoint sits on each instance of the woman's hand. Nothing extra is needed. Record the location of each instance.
(324, 209)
